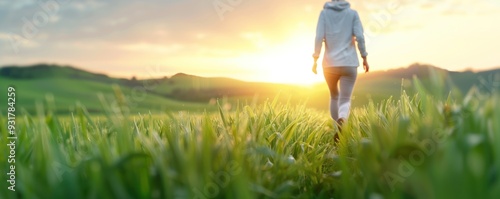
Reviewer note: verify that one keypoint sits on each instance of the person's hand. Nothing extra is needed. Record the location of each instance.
(314, 68)
(366, 66)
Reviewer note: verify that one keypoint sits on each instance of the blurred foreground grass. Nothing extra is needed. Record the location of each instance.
(431, 145)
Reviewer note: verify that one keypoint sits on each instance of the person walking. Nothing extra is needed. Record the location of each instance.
(339, 27)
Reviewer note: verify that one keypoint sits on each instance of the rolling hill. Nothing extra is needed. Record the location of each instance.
(380, 84)
(67, 85)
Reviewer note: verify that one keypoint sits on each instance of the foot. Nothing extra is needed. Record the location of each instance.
(336, 138)
(340, 122)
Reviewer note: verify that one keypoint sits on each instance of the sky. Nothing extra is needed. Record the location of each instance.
(251, 40)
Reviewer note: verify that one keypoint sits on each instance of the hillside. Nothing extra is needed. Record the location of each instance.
(188, 92)
(67, 86)
(381, 84)
(42, 71)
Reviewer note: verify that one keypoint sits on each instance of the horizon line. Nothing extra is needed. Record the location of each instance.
(138, 77)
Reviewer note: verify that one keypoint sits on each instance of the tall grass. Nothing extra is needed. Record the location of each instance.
(422, 146)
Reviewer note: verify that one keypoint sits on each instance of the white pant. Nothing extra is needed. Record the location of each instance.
(341, 82)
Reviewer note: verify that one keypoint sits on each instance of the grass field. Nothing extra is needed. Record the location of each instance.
(64, 92)
(425, 146)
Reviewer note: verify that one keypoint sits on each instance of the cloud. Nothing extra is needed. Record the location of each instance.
(117, 32)
(152, 48)
(4, 36)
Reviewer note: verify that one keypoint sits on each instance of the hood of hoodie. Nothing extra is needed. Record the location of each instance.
(337, 6)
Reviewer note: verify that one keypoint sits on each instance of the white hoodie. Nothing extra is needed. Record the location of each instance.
(337, 24)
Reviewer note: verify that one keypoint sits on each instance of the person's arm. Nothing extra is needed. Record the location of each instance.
(360, 38)
(320, 37)
(366, 66)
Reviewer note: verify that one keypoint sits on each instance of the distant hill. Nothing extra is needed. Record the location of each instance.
(47, 71)
(381, 84)
(419, 70)
(462, 80)
(69, 84)
(188, 92)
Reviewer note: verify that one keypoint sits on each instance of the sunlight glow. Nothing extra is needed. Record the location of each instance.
(287, 62)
